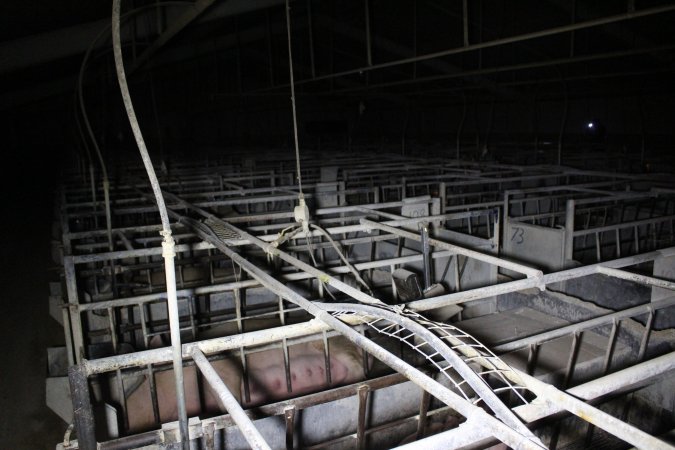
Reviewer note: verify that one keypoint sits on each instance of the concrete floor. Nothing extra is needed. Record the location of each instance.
(25, 324)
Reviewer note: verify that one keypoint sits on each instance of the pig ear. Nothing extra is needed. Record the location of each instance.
(157, 341)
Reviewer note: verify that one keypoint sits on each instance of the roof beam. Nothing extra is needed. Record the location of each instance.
(176, 27)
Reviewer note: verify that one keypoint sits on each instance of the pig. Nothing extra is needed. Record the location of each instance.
(307, 367)
(266, 381)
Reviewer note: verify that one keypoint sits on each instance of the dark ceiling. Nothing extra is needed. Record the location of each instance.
(43, 43)
(205, 56)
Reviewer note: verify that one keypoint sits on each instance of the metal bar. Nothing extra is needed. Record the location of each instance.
(73, 301)
(625, 380)
(83, 414)
(172, 30)
(637, 278)
(532, 357)
(550, 393)
(469, 432)
(569, 231)
(472, 294)
(289, 416)
(465, 22)
(256, 338)
(362, 392)
(424, 237)
(249, 431)
(425, 401)
(503, 41)
(574, 353)
(369, 49)
(581, 326)
(270, 55)
(616, 323)
(623, 225)
(67, 328)
(647, 332)
(530, 272)
(310, 32)
(601, 419)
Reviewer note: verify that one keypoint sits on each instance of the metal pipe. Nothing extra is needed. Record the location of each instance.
(627, 379)
(460, 127)
(229, 402)
(563, 123)
(369, 49)
(83, 414)
(424, 237)
(516, 67)
(569, 232)
(637, 278)
(503, 41)
(172, 30)
(168, 244)
(591, 414)
(467, 433)
(310, 32)
(465, 22)
(585, 325)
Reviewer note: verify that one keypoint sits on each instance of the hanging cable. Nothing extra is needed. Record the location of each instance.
(295, 118)
(338, 249)
(168, 244)
(85, 116)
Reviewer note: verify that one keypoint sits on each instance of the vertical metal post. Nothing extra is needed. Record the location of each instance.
(414, 39)
(93, 194)
(159, 16)
(369, 52)
(422, 420)
(442, 194)
(168, 253)
(643, 133)
(73, 305)
(310, 31)
(426, 251)
(569, 231)
(465, 22)
(361, 426)
(239, 77)
(69, 339)
(83, 414)
(645, 337)
(480, 33)
(289, 416)
(269, 48)
(460, 126)
(532, 357)
(563, 123)
(574, 18)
